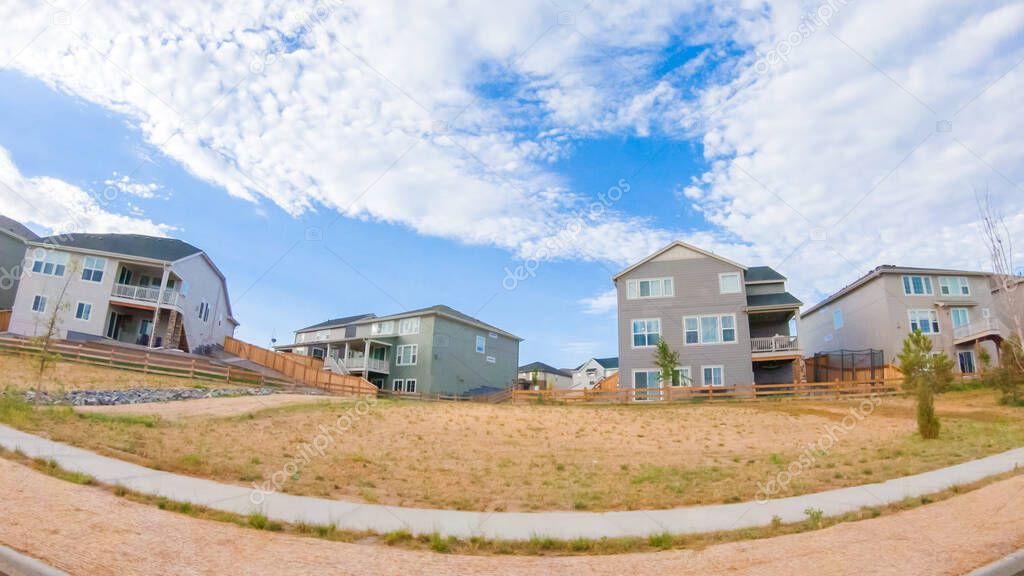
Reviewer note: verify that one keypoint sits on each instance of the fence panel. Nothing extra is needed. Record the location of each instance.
(302, 370)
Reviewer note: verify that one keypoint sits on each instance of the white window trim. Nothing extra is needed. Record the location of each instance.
(952, 316)
(944, 280)
(974, 360)
(480, 345)
(54, 258)
(721, 331)
(739, 283)
(632, 341)
(931, 284)
(930, 311)
(89, 304)
(398, 385)
(415, 322)
(377, 328)
(635, 282)
(689, 375)
(414, 384)
(646, 397)
(712, 366)
(415, 354)
(102, 268)
(43, 300)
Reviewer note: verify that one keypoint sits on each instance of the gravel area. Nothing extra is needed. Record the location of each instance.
(142, 395)
(209, 407)
(86, 530)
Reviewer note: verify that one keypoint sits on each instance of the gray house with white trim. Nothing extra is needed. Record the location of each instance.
(14, 238)
(435, 350)
(731, 324)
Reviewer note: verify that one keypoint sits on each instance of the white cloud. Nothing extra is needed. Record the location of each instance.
(60, 207)
(125, 184)
(603, 303)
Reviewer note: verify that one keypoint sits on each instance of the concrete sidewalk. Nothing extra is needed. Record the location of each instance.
(501, 525)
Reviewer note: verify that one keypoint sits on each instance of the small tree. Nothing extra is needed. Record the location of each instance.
(666, 360)
(50, 331)
(1008, 377)
(533, 379)
(925, 373)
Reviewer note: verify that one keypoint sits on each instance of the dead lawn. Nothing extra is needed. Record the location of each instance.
(528, 457)
(20, 373)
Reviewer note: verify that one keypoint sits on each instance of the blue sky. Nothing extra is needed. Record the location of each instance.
(390, 161)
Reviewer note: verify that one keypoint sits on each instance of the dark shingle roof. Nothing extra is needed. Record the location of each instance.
(452, 313)
(608, 363)
(337, 322)
(779, 299)
(763, 274)
(167, 249)
(17, 228)
(542, 367)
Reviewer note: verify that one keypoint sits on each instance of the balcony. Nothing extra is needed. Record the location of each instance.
(770, 346)
(356, 364)
(145, 294)
(984, 328)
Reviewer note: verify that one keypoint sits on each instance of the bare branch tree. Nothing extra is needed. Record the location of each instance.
(999, 243)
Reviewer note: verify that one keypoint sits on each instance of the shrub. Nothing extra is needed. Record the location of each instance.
(926, 374)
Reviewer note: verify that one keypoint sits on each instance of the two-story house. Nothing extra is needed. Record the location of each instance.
(954, 308)
(14, 237)
(144, 290)
(548, 377)
(731, 325)
(587, 375)
(435, 350)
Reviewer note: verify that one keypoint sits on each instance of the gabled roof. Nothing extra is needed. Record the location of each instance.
(781, 299)
(606, 363)
(545, 368)
(337, 322)
(756, 274)
(681, 244)
(151, 247)
(889, 269)
(447, 311)
(16, 228)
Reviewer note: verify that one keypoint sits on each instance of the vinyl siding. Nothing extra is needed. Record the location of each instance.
(12, 255)
(457, 367)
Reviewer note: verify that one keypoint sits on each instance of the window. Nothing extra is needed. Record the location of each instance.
(646, 333)
(682, 376)
(643, 380)
(649, 288)
(203, 309)
(491, 359)
(125, 277)
(206, 316)
(410, 385)
(39, 304)
(382, 328)
(92, 269)
(406, 355)
(409, 326)
(481, 344)
(729, 283)
(713, 375)
(966, 360)
(985, 313)
(954, 286)
(51, 263)
(83, 311)
(397, 385)
(716, 329)
(927, 321)
(961, 317)
(691, 329)
(917, 285)
(837, 319)
(492, 335)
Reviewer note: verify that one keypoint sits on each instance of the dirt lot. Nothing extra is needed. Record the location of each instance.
(85, 530)
(528, 457)
(207, 407)
(20, 372)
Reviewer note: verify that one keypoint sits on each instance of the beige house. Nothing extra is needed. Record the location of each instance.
(143, 290)
(955, 308)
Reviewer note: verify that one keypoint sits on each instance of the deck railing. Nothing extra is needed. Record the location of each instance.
(774, 344)
(979, 327)
(144, 294)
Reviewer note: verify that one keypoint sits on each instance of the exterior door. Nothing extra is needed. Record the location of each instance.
(966, 361)
(114, 326)
(145, 331)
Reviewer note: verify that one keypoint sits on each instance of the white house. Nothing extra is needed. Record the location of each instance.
(588, 374)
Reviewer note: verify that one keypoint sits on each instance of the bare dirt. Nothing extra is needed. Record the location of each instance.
(207, 407)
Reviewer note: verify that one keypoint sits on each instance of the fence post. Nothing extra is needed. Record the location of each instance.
(192, 370)
(145, 367)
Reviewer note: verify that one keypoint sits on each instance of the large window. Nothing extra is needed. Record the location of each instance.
(954, 286)
(713, 375)
(410, 385)
(960, 316)
(682, 376)
(39, 304)
(409, 326)
(917, 286)
(646, 384)
(965, 358)
(649, 288)
(50, 263)
(407, 354)
(716, 329)
(729, 283)
(401, 385)
(83, 311)
(92, 269)
(646, 333)
(927, 321)
(481, 345)
(383, 328)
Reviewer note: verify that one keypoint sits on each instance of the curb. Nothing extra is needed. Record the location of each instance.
(1012, 565)
(13, 563)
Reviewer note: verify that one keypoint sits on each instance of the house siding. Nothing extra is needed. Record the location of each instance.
(457, 367)
(696, 287)
(203, 284)
(12, 257)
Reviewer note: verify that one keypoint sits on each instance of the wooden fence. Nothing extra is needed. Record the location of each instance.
(5, 320)
(147, 362)
(303, 370)
(804, 390)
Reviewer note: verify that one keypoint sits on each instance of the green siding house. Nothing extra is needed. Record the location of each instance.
(436, 350)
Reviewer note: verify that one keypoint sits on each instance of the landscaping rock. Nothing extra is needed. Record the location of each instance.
(142, 395)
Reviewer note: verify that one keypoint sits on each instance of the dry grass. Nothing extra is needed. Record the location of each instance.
(516, 457)
(20, 373)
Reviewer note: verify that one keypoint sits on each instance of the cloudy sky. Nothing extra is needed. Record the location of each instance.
(338, 157)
